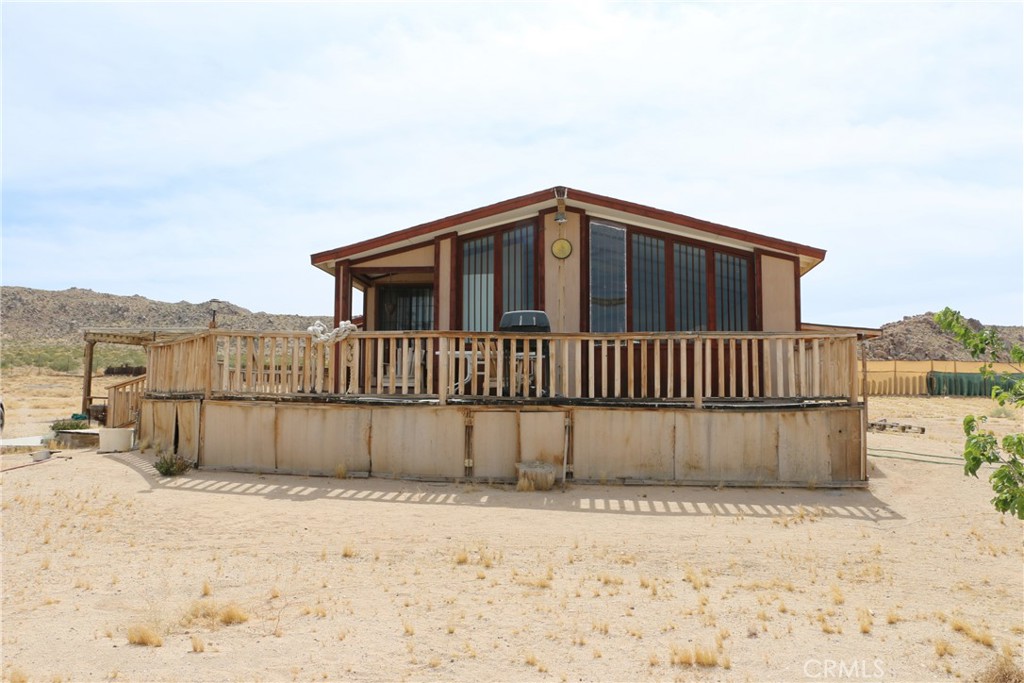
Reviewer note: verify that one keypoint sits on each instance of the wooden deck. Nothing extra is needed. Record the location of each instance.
(443, 367)
(749, 409)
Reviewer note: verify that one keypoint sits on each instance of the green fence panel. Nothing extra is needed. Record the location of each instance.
(967, 383)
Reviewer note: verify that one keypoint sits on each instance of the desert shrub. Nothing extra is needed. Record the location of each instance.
(64, 425)
(172, 464)
(68, 357)
(1002, 670)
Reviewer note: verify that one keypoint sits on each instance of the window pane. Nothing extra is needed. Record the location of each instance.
(648, 283)
(691, 288)
(406, 308)
(478, 284)
(517, 268)
(731, 308)
(607, 278)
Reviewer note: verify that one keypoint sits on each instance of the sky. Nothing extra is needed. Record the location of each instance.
(186, 152)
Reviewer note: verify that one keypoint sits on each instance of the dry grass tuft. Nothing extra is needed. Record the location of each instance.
(1002, 670)
(461, 557)
(943, 648)
(140, 634)
(207, 591)
(232, 614)
(340, 472)
(695, 579)
(348, 552)
(681, 656)
(705, 656)
(979, 636)
(698, 655)
(837, 595)
(865, 619)
(18, 676)
(198, 645)
(609, 579)
(211, 614)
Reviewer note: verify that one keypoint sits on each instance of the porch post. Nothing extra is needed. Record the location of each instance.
(863, 408)
(443, 370)
(698, 373)
(87, 379)
(342, 311)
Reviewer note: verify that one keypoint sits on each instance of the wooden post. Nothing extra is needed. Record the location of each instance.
(698, 373)
(851, 350)
(863, 409)
(87, 378)
(211, 361)
(442, 371)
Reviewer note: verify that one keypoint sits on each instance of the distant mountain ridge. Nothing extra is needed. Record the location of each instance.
(918, 337)
(42, 315)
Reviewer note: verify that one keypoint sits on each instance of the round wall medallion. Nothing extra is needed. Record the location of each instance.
(561, 248)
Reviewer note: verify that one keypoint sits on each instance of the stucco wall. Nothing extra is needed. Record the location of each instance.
(778, 294)
(562, 276)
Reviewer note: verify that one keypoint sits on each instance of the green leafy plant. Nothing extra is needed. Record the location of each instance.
(172, 464)
(981, 446)
(65, 425)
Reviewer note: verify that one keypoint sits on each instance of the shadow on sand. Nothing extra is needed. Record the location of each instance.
(853, 504)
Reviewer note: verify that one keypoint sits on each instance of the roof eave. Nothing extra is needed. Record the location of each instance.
(809, 257)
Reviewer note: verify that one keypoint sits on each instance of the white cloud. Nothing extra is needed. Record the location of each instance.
(256, 134)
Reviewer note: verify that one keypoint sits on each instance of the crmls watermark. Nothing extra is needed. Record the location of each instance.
(839, 669)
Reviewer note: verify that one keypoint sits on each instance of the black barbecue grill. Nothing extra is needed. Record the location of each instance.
(527, 322)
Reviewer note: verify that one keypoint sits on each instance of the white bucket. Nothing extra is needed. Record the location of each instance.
(115, 440)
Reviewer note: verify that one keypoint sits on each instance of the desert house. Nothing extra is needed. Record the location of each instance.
(670, 349)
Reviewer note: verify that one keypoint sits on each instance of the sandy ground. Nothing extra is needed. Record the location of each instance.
(914, 579)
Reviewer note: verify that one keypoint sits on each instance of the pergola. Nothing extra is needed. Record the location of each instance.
(131, 337)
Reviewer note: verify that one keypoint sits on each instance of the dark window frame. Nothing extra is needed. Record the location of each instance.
(669, 241)
(497, 233)
(379, 323)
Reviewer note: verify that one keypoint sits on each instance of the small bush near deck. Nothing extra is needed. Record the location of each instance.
(65, 425)
(172, 465)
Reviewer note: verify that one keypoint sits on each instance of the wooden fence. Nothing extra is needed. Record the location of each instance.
(910, 377)
(449, 366)
(123, 401)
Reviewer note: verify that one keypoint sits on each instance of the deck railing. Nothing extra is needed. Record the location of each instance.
(123, 401)
(457, 366)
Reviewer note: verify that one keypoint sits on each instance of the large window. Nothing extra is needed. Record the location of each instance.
(405, 307)
(607, 278)
(498, 275)
(731, 298)
(478, 283)
(691, 288)
(648, 283)
(517, 269)
(671, 283)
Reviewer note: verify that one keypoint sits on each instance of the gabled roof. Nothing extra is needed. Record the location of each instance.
(595, 205)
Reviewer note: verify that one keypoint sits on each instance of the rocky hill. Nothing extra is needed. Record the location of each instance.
(38, 315)
(917, 337)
